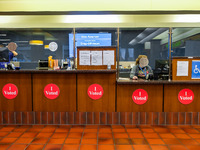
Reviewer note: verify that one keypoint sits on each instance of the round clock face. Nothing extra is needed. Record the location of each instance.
(53, 46)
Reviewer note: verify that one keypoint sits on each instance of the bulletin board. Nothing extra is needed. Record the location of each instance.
(90, 65)
(175, 67)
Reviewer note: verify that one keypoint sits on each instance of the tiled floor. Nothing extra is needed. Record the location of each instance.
(99, 137)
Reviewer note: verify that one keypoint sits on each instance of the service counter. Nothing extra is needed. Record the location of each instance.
(23, 81)
(70, 87)
(125, 89)
(162, 96)
(171, 92)
(33, 91)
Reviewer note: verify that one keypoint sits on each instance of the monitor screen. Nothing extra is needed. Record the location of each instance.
(89, 39)
(4, 56)
(162, 64)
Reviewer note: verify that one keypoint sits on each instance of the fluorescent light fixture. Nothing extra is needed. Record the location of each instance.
(2, 34)
(6, 19)
(4, 39)
(21, 41)
(46, 46)
(152, 35)
(187, 18)
(187, 34)
(36, 42)
(92, 19)
(142, 35)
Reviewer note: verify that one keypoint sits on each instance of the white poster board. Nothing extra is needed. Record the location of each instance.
(96, 57)
(84, 58)
(108, 57)
(182, 68)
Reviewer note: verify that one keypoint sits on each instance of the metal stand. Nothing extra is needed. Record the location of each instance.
(170, 50)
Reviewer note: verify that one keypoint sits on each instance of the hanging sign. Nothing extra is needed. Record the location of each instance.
(51, 91)
(140, 96)
(95, 91)
(186, 96)
(10, 91)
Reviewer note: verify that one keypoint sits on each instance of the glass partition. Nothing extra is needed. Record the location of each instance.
(144, 41)
(186, 42)
(37, 44)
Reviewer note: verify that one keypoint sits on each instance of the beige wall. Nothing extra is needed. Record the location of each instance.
(112, 21)
(109, 21)
(98, 5)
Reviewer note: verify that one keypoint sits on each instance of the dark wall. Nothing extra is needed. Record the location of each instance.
(154, 52)
(192, 48)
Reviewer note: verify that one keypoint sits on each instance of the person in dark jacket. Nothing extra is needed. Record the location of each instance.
(141, 70)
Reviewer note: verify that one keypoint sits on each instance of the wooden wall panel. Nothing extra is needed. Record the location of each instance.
(106, 103)
(174, 68)
(23, 101)
(66, 101)
(171, 102)
(126, 104)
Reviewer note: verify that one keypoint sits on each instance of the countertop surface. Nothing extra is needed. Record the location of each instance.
(57, 71)
(127, 81)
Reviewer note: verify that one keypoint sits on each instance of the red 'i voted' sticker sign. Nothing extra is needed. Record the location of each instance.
(10, 91)
(51, 91)
(140, 96)
(186, 96)
(95, 91)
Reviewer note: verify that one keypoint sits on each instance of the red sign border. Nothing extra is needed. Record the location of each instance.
(17, 91)
(185, 89)
(147, 96)
(52, 98)
(98, 98)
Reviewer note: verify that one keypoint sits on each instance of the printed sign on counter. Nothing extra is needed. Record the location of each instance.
(51, 91)
(96, 58)
(182, 68)
(10, 91)
(140, 96)
(196, 69)
(186, 96)
(95, 91)
(84, 57)
(108, 58)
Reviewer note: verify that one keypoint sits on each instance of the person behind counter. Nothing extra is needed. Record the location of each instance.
(5, 57)
(141, 70)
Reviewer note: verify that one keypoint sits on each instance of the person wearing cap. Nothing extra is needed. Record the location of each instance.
(141, 70)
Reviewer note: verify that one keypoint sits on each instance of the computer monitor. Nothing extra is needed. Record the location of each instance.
(162, 64)
(161, 71)
(4, 56)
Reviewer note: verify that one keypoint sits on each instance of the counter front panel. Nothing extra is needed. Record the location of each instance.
(125, 102)
(66, 101)
(23, 100)
(172, 103)
(107, 102)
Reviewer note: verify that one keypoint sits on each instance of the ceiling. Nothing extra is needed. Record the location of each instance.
(162, 34)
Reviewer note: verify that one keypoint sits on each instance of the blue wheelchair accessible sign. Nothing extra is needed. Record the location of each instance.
(196, 69)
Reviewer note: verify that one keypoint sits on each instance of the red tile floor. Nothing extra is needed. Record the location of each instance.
(99, 137)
